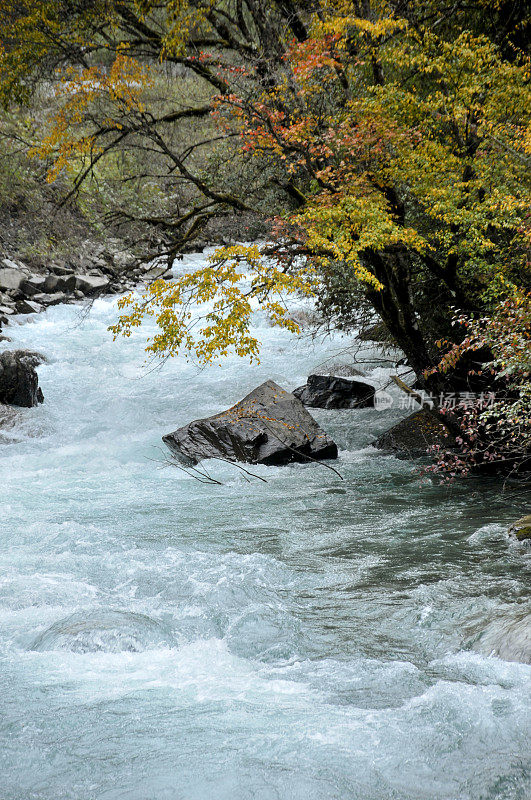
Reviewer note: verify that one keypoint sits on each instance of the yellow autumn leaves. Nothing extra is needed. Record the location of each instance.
(207, 313)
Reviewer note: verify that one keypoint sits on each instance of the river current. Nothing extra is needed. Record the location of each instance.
(303, 638)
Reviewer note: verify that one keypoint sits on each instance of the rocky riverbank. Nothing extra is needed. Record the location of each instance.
(29, 290)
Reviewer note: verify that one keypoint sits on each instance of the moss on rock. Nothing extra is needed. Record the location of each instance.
(521, 529)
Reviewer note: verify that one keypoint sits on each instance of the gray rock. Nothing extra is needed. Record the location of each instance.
(16, 265)
(60, 270)
(158, 273)
(122, 260)
(60, 283)
(19, 383)
(33, 285)
(11, 278)
(329, 391)
(50, 283)
(28, 307)
(50, 299)
(269, 426)
(411, 437)
(507, 637)
(340, 371)
(91, 284)
(7, 262)
(7, 310)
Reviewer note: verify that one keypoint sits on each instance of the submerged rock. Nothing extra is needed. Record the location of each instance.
(19, 383)
(330, 391)
(411, 437)
(103, 631)
(521, 529)
(508, 639)
(269, 426)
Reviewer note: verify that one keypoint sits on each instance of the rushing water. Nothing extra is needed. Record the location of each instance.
(306, 638)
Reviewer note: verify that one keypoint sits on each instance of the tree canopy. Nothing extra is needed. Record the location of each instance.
(386, 144)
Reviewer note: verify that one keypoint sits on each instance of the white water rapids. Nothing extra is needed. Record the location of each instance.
(306, 638)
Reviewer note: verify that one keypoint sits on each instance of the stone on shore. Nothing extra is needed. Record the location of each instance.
(330, 391)
(49, 299)
(521, 529)
(60, 283)
(269, 426)
(7, 310)
(34, 284)
(91, 284)
(28, 307)
(11, 278)
(19, 383)
(413, 436)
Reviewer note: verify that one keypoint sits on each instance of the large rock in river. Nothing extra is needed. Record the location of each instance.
(19, 383)
(411, 437)
(330, 391)
(521, 529)
(269, 426)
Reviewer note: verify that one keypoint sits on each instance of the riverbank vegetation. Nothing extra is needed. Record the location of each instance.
(381, 148)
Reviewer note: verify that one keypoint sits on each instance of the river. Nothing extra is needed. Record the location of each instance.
(303, 638)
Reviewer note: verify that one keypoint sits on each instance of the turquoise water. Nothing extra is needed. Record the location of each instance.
(304, 638)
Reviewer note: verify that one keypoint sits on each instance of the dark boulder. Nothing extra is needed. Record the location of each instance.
(60, 283)
(269, 426)
(329, 391)
(411, 437)
(19, 384)
(28, 307)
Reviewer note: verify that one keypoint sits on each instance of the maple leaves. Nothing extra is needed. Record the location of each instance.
(228, 289)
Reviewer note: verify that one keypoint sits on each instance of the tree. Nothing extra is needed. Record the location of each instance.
(393, 144)
(495, 428)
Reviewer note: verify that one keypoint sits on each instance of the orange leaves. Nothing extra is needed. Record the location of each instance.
(314, 60)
